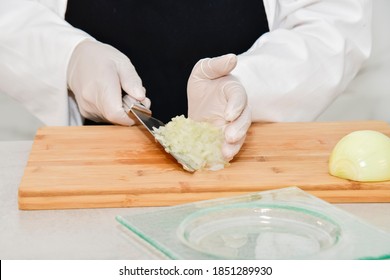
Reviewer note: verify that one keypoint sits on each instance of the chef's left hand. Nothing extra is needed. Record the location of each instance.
(217, 97)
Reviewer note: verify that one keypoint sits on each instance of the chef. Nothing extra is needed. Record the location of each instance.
(223, 61)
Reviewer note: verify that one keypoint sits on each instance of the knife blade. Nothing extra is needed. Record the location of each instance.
(144, 115)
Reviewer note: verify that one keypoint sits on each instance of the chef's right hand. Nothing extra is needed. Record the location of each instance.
(96, 75)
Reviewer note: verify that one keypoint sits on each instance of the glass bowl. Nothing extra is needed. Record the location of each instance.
(258, 231)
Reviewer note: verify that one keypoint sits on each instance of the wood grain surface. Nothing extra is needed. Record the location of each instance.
(112, 166)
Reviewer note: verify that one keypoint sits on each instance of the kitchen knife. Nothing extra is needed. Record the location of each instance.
(144, 115)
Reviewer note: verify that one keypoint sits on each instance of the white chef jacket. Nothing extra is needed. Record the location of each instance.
(292, 73)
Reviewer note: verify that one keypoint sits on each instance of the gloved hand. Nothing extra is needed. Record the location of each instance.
(219, 98)
(96, 75)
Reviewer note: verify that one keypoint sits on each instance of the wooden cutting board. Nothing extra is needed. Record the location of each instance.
(112, 166)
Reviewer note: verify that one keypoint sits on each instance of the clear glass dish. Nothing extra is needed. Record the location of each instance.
(258, 231)
(280, 224)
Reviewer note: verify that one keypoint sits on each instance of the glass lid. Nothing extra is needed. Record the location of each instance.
(278, 224)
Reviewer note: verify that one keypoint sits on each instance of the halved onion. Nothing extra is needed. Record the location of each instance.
(362, 155)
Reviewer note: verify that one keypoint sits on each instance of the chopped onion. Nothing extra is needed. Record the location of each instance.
(362, 155)
(199, 144)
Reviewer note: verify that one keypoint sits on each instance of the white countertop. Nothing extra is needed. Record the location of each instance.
(87, 233)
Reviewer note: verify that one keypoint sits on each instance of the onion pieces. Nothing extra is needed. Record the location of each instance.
(199, 144)
(362, 155)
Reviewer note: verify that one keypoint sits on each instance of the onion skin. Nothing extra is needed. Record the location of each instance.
(363, 156)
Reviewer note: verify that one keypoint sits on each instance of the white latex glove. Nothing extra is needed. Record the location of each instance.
(219, 98)
(97, 73)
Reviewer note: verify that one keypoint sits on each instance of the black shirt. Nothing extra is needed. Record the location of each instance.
(164, 39)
